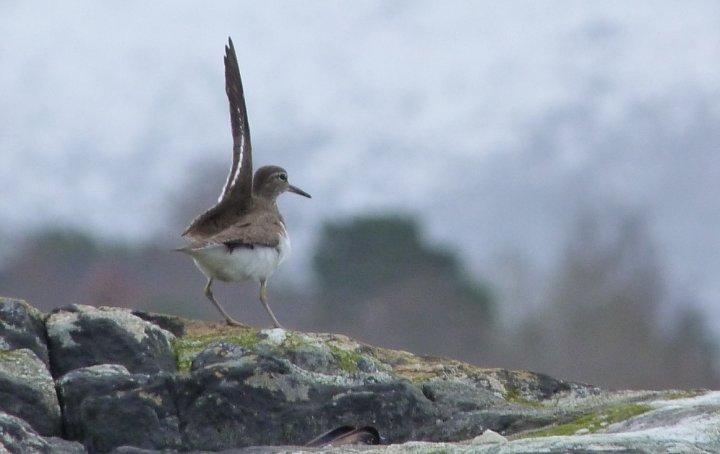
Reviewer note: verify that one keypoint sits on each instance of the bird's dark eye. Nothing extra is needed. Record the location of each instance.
(282, 177)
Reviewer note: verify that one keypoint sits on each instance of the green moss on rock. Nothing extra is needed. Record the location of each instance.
(592, 422)
(683, 394)
(347, 359)
(513, 396)
(186, 348)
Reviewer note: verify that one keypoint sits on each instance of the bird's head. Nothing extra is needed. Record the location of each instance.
(271, 181)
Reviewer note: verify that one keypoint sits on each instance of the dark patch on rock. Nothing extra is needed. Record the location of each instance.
(533, 386)
(511, 419)
(313, 359)
(167, 322)
(453, 396)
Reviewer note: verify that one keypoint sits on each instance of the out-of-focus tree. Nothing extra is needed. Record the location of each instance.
(357, 257)
(57, 267)
(600, 323)
(48, 266)
(378, 280)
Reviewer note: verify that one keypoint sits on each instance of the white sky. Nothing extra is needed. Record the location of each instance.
(107, 108)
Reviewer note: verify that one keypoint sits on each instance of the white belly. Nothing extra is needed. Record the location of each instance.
(240, 264)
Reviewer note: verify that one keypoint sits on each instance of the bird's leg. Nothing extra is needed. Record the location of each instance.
(263, 299)
(229, 320)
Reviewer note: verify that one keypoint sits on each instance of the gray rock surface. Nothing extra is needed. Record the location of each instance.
(133, 382)
(17, 436)
(690, 425)
(81, 336)
(79, 388)
(22, 326)
(28, 392)
(266, 400)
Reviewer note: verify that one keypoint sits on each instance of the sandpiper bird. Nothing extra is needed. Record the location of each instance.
(243, 237)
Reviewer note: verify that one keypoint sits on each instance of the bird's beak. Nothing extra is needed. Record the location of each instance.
(298, 191)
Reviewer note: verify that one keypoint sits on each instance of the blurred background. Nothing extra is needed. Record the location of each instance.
(520, 184)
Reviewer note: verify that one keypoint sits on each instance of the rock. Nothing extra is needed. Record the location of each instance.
(261, 399)
(81, 336)
(688, 425)
(451, 396)
(22, 326)
(77, 390)
(28, 392)
(144, 417)
(16, 435)
(136, 382)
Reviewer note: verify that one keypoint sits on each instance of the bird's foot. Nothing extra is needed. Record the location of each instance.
(232, 322)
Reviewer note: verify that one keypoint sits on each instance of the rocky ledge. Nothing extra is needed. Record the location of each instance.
(85, 379)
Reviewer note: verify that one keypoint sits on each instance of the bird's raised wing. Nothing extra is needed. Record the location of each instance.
(239, 183)
(238, 188)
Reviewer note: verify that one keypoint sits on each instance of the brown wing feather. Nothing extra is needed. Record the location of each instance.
(263, 230)
(238, 188)
(239, 184)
